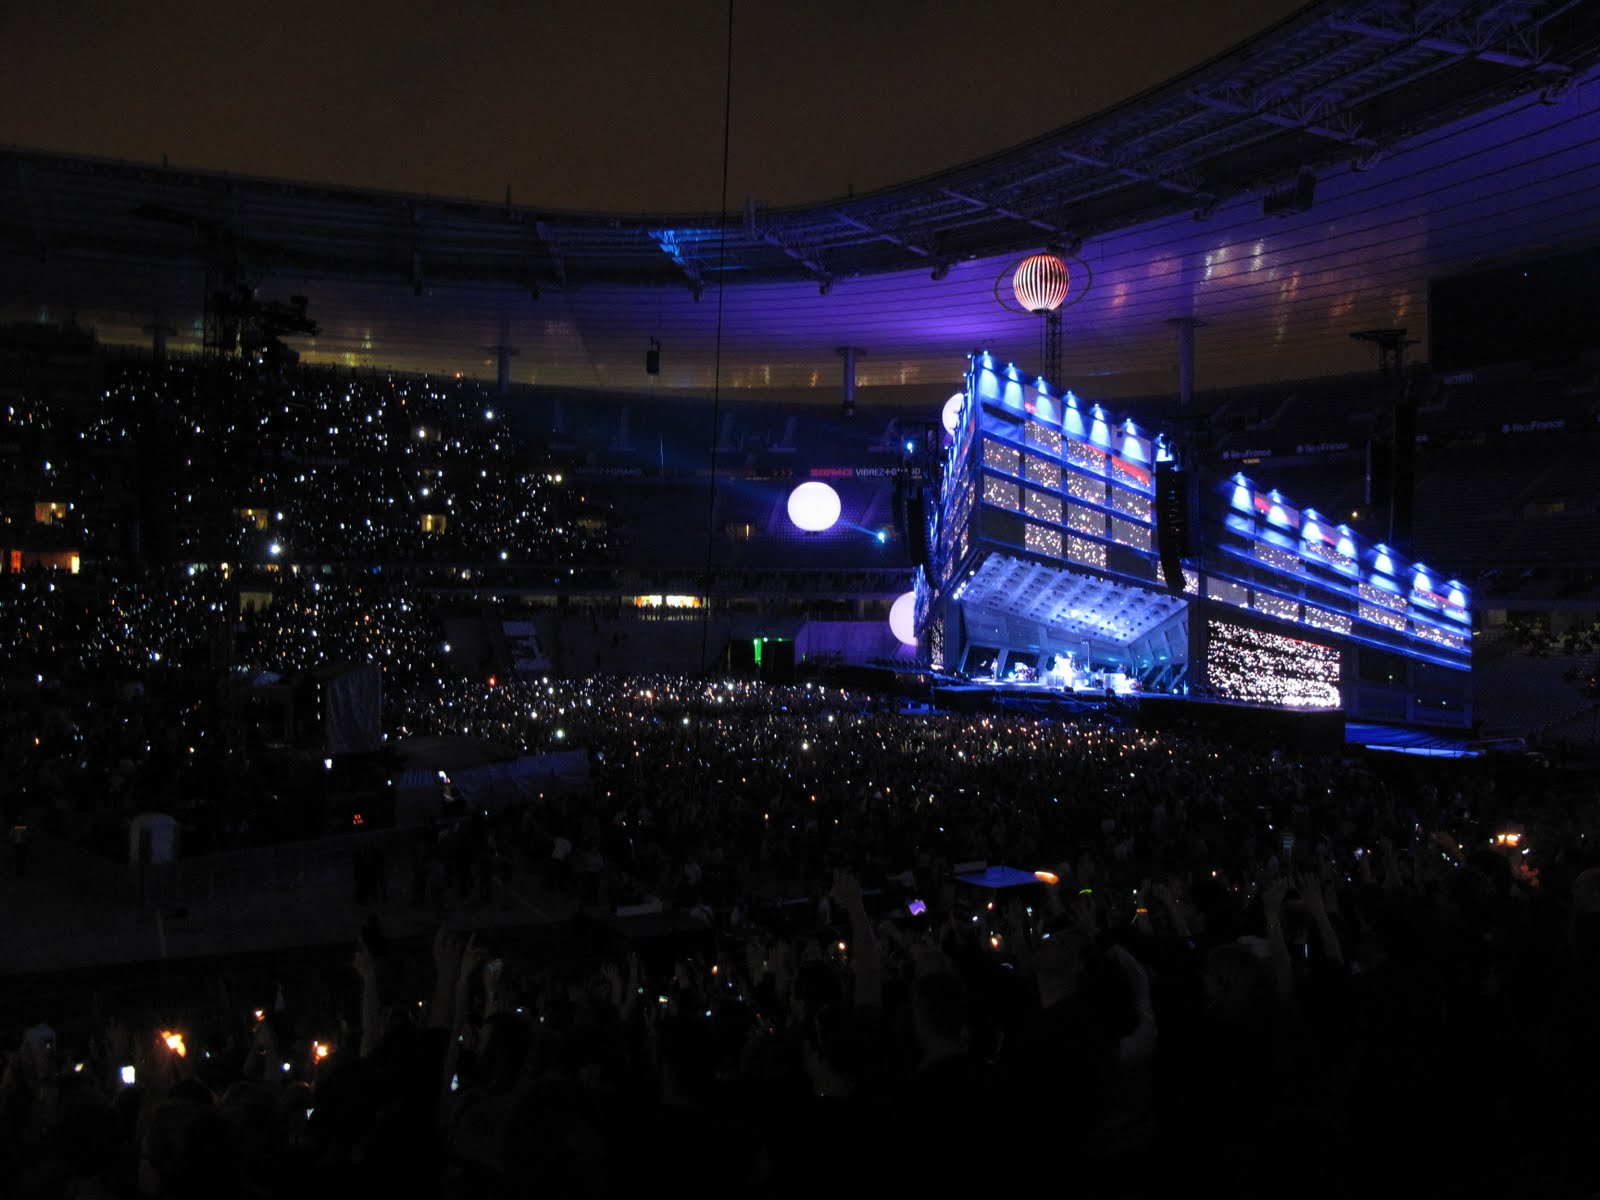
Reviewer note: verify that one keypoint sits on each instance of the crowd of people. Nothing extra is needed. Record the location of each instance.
(127, 694)
(1204, 965)
(215, 462)
(1211, 966)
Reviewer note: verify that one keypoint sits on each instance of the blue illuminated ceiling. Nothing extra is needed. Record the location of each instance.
(1463, 139)
(1072, 602)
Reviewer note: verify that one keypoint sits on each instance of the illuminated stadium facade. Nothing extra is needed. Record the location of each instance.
(1070, 551)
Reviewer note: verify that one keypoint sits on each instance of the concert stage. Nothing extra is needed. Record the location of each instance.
(961, 695)
(1072, 553)
(1318, 731)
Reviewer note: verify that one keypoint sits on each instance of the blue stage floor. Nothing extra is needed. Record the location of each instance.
(957, 693)
(1397, 740)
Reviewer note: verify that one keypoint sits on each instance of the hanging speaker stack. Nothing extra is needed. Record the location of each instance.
(1173, 535)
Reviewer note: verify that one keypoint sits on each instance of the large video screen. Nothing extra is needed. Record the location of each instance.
(1268, 668)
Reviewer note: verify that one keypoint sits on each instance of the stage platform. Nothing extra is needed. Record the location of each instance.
(1070, 546)
(1426, 743)
(1323, 731)
(975, 696)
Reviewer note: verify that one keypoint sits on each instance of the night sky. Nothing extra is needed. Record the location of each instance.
(587, 104)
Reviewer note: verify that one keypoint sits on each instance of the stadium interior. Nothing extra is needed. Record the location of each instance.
(441, 564)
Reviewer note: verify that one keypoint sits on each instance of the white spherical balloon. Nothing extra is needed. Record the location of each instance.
(952, 412)
(903, 618)
(814, 506)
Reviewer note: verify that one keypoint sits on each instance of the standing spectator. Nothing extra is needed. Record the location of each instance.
(19, 849)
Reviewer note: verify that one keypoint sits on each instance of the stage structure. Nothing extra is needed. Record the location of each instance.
(1072, 551)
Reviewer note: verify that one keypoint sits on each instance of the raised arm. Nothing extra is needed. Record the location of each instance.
(865, 951)
(1272, 911)
(1310, 889)
(472, 961)
(446, 968)
(366, 967)
(1173, 905)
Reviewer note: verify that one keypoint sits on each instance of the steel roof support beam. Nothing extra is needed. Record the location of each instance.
(1349, 136)
(1089, 160)
(696, 282)
(888, 237)
(813, 268)
(755, 230)
(1444, 45)
(985, 206)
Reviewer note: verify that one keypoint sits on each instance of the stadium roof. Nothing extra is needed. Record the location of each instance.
(1394, 142)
